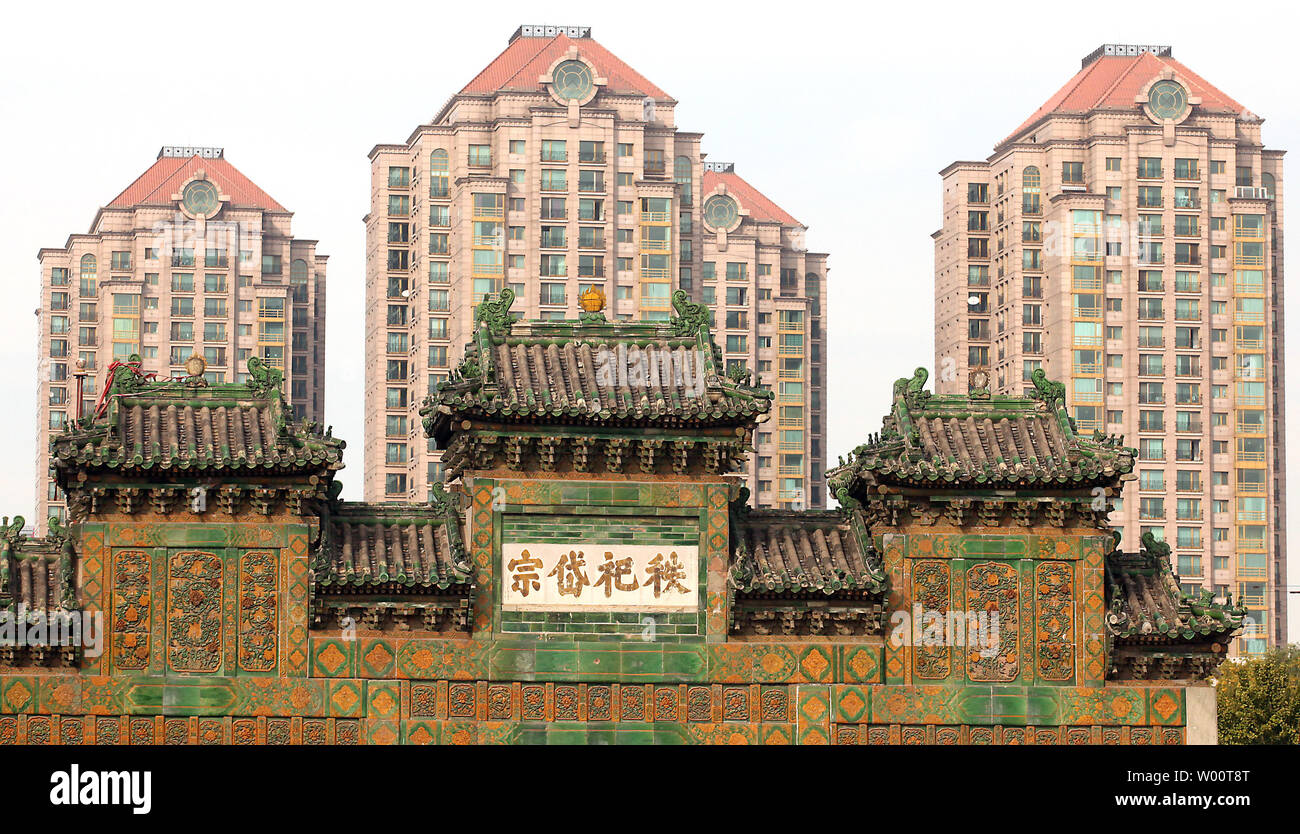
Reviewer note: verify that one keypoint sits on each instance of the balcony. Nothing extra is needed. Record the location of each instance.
(1252, 192)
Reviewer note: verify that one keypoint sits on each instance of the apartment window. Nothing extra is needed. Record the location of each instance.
(555, 150)
(480, 156)
(1187, 198)
(1150, 168)
(977, 192)
(1031, 186)
(553, 208)
(591, 266)
(1151, 308)
(1151, 508)
(1113, 163)
(1072, 173)
(552, 294)
(1150, 196)
(394, 483)
(589, 209)
(554, 265)
(1186, 169)
(1151, 421)
(554, 237)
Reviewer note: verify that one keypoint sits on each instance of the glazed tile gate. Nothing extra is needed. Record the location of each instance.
(594, 574)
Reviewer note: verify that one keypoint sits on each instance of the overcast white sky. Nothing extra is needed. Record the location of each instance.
(297, 94)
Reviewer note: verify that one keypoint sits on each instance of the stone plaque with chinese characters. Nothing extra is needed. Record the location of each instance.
(590, 575)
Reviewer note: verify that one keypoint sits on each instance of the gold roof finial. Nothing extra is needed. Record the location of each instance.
(592, 300)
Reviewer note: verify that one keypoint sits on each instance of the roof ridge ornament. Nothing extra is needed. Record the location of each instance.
(1051, 393)
(691, 317)
(912, 389)
(262, 378)
(495, 313)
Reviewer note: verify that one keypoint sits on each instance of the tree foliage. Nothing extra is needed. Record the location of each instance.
(1259, 699)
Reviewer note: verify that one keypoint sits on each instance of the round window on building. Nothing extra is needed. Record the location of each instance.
(721, 212)
(200, 198)
(572, 81)
(1167, 100)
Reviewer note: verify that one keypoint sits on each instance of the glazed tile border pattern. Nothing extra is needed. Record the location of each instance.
(353, 711)
(617, 660)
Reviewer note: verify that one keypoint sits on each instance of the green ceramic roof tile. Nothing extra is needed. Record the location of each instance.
(192, 426)
(37, 572)
(811, 552)
(593, 372)
(412, 546)
(977, 439)
(1145, 603)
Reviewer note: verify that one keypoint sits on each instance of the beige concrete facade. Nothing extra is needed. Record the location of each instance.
(522, 182)
(1128, 241)
(191, 258)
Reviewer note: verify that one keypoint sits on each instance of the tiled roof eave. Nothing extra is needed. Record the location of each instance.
(740, 411)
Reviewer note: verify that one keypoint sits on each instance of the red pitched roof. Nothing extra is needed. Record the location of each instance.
(166, 176)
(525, 59)
(1113, 81)
(750, 198)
